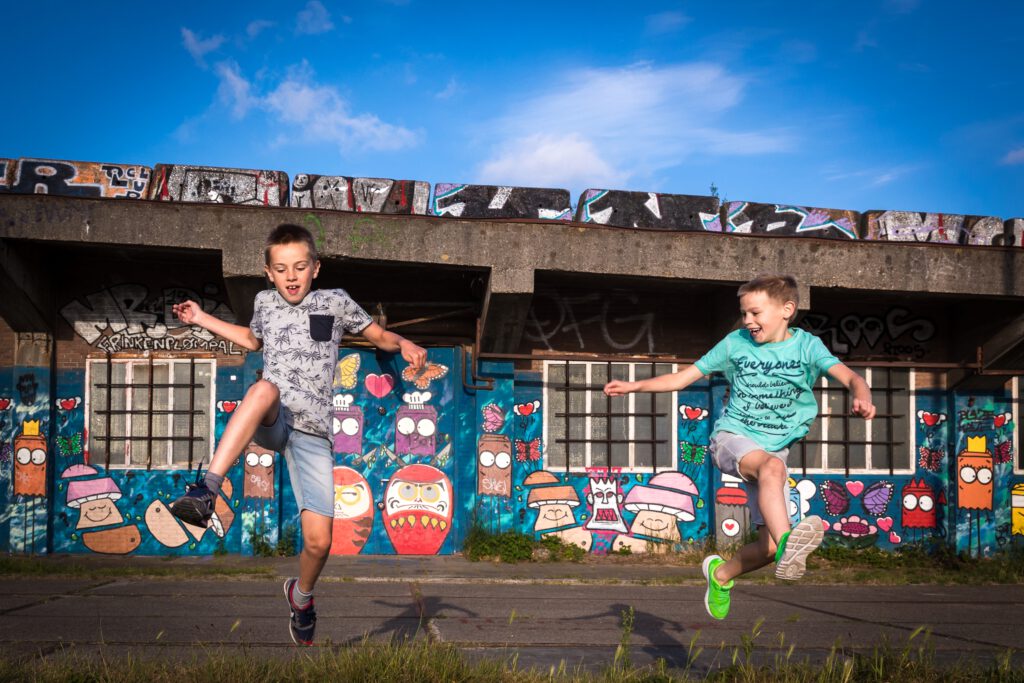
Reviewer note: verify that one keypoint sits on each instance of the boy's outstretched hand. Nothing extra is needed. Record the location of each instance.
(618, 387)
(415, 355)
(188, 312)
(865, 409)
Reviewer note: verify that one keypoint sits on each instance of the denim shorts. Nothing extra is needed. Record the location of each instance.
(727, 449)
(310, 463)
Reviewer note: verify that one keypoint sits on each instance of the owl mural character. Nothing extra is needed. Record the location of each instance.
(353, 512)
(259, 473)
(347, 425)
(974, 467)
(416, 425)
(494, 466)
(30, 461)
(417, 509)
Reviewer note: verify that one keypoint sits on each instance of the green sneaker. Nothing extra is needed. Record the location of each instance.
(795, 546)
(716, 598)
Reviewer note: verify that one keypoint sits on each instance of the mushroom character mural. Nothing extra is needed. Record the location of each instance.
(30, 461)
(353, 512)
(259, 473)
(605, 498)
(416, 425)
(660, 505)
(554, 502)
(418, 509)
(347, 425)
(95, 499)
(494, 465)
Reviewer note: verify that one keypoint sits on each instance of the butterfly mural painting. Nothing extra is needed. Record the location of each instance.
(494, 418)
(930, 458)
(347, 372)
(692, 453)
(875, 498)
(528, 450)
(1002, 452)
(425, 375)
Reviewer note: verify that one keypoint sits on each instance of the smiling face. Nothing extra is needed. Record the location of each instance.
(656, 524)
(292, 270)
(767, 319)
(100, 512)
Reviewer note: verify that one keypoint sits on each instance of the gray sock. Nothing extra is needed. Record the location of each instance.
(298, 598)
(213, 481)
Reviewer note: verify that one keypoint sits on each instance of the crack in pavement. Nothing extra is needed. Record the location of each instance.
(873, 622)
(426, 622)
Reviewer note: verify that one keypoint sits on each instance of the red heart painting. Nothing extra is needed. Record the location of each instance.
(379, 385)
(885, 523)
(526, 409)
(855, 487)
(692, 413)
(1000, 420)
(5, 403)
(930, 419)
(228, 406)
(68, 403)
(729, 526)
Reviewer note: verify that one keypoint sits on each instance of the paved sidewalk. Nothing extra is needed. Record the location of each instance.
(543, 612)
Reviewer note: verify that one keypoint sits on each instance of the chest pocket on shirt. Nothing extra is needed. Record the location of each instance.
(321, 327)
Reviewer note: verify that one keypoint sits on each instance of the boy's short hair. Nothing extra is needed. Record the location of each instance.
(781, 288)
(287, 233)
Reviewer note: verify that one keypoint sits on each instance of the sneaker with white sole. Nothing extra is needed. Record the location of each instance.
(302, 622)
(796, 546)
(716, 597)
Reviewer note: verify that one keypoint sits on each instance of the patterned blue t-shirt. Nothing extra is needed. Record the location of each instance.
(771, 386)
(300, 350)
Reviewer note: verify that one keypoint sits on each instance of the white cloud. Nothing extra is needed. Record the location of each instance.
(311, 112)
(541, 160)
(666, 22)
(449, 90)
(1014, 156)
(314, 19)
(628, 122)
(199, 48)
(871, 177)
(256, 27)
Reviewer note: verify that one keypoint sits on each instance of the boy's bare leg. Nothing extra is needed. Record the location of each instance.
(770, 473)
(316, 545)
(260, 405)
(750, 557)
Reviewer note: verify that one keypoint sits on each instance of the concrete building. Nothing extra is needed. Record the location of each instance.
(107, 403)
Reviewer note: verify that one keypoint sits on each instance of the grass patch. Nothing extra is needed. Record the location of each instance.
(421, 661)
(71, 567)
(512, 546)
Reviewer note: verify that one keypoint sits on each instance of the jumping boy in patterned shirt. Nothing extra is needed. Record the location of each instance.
(771, 369)
(289, 409)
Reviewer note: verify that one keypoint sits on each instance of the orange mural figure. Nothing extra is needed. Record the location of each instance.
(974, 475)
(30, 461)
(353, 512)
(259, 473)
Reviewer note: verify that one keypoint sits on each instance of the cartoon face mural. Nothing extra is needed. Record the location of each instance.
(494, 466)
(30, 462)
(1017, 507)
(353, 512)
(416, 425)
(919, 506)
(731, 510)
(94, 499)
(347, 425)
(605, 498)
(974, 475)
(418, 509)
(553, 501)
(259, 473)
(666, 500)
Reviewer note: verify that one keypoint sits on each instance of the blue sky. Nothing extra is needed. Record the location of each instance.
(894, 104)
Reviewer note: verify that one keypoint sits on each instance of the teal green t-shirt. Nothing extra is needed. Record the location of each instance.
(771, 386)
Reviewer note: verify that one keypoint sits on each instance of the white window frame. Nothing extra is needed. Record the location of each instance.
(1015, 403)
(159, 462)
(632, 467)
(828, 384)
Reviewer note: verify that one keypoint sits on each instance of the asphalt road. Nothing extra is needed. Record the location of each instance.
(543, 613)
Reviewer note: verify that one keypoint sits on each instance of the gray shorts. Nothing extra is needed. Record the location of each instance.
(310, 463)
(727, 449)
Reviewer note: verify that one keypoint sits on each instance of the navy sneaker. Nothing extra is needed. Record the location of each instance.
(303, 621)
(196, 506)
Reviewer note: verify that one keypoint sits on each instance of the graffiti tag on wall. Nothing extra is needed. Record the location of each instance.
(615, 317)
(126, 317)
(897, 333)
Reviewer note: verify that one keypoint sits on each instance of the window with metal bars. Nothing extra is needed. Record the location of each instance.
(839, 441)
(150, 413)
(1018, 461)
(584, 428)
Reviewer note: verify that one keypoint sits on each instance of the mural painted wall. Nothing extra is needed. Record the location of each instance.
(341, 193)
(80, 179)
(790, 221)
(6, 171)
(491, 201)
(648, 210)
(206, 184)
(944, 228)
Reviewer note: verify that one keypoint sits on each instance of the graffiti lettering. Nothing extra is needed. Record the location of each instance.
(568, 314)
(854, 330)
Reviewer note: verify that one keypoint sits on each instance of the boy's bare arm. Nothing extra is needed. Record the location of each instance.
(857, 386)
(675, 381)
(386, 340)
(190, 313)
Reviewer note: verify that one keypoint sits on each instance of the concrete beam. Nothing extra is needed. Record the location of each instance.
(505, 309)
(1002, 342)
(27, 302)
(521, 246)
